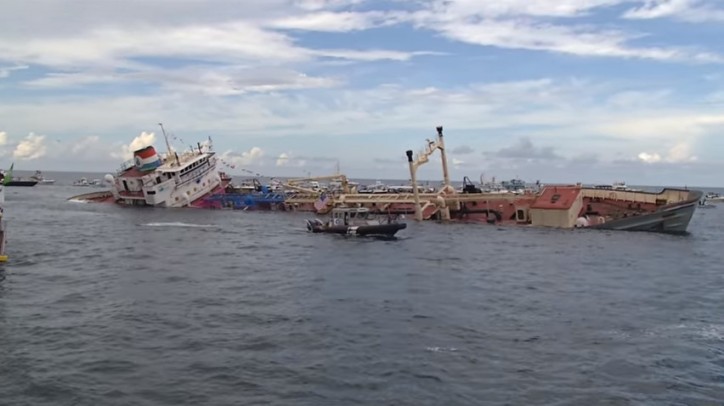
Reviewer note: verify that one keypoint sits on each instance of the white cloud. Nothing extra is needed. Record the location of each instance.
(679, 153)
(3, 138)
(659, 8)
(85, 146)
(31, 147)
(649, 158)
(223, 81)
(125, 152)
(324, 4)
(251, 157)
(6, 70)
(531, 35)
(684, 10)
(454, 9)
(518, 24)
(332, 21)
(369, 55)
(285, 159)
(458, 163)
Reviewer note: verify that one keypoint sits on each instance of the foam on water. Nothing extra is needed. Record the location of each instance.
(178, 224)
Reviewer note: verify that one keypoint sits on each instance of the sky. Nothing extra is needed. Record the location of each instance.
(594, 91)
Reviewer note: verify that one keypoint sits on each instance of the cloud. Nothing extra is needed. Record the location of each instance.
(370, 55)
(518, 24)
(217, 81)
(286, 159)
(31, 147)
(247, 158)
(649, 158)
(313, 5)
(659, 8)
(333, 21)
(283, 159)
(679, 153)
(524, 149)
(451, 9)
(462, 150)
(3, 138)
(6, 70)
(459, 164)
(86, 146)
(683, 10)
(125, 152)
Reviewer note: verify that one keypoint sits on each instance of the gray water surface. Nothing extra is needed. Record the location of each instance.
(103, 305)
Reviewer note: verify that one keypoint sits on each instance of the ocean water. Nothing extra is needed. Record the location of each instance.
(103, 305)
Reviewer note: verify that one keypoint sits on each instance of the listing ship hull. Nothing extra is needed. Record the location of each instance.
(183, 179)
(673, 220)
(669, 211)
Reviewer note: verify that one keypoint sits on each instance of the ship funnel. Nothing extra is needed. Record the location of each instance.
(146, 159)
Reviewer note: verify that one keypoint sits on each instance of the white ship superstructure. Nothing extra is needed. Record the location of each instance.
(174, 180)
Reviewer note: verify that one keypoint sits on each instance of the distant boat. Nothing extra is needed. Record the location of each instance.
(22, 182)
(714, 197)
(38, 176)
(8, 180)
(81, 182)
(3, 256)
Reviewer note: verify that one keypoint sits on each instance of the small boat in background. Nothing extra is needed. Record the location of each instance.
(86, 182)
(81, 182)
(3, 256)
(21, 182)
(356, 221)
(704, 203)
(38, 176)
(713, 198)
(7, 179)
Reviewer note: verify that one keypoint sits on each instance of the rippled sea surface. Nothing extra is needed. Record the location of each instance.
(102, 305)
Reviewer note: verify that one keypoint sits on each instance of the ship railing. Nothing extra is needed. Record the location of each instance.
(126, 165)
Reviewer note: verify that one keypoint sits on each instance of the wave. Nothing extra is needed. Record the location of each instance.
(179, 224)
(78, 201)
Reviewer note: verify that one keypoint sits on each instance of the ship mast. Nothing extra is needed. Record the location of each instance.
(169, 150)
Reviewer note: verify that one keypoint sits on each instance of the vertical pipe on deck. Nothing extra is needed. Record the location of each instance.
(415, 192)
(443, 156)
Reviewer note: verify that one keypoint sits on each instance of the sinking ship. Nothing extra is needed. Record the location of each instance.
(171, 180)
(558, 206)
(192, 179)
